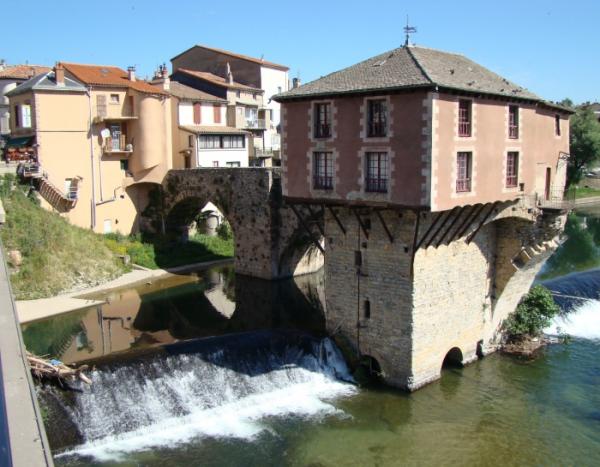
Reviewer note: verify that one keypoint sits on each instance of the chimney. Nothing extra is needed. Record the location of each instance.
(296, 82)
(229, 74)
(131, 73)
(59, 74)
(164, 71)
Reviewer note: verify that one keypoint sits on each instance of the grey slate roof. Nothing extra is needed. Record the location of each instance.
(46, 82)
(410, 67)
(188, 93)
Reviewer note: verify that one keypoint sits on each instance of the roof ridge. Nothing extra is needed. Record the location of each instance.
(419, 66)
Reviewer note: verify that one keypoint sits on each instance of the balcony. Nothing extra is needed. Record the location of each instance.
(557, 199)
(117, 145)
(255, 124)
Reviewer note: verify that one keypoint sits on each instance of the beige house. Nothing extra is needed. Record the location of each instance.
(102, 140)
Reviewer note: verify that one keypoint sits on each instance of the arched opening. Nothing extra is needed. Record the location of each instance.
(453, 359)
(368, 371)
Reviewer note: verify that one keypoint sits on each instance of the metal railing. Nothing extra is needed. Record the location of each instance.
(117, 144)
(323, 182)
(255, 123)
(557, 198)
(376, 185)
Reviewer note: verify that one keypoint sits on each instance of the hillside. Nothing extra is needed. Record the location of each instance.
(56, 256)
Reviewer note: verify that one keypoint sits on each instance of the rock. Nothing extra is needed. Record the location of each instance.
(15, 258)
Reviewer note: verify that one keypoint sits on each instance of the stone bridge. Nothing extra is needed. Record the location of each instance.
(270, 241)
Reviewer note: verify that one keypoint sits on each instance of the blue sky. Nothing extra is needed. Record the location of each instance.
(550, 47)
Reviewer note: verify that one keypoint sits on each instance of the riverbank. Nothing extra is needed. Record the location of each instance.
(33, 310)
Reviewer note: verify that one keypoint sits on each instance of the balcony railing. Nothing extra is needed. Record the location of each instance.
(322, 130)
(117, 145)
(557, 199)
(323, 182)
(376, 185)
(463, 185)
(258, 123)
(464, 128)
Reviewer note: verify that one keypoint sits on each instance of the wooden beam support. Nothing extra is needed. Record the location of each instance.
(465, 225)
(315, 218)
(489, 213)
(384, 225)
(447, 215)
(360, 222)
(307, 228)
(414, 244)
(337, 219)
(452, 224)
(431, 227)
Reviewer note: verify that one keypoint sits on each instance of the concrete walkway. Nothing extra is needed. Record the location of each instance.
(28, 444)
(33, 310)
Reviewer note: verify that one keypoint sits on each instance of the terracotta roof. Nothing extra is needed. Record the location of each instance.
(215, 129)
(411, 67)
(240, 56)
(109, 76)
(218, 80)
(188, 93)
(22, 71)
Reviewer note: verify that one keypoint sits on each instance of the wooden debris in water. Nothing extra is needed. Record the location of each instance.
(53, 369)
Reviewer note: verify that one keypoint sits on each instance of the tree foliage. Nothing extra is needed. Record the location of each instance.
(584, 143)
(534, 313)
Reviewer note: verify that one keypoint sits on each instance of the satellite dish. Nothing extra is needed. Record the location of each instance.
(105, 133)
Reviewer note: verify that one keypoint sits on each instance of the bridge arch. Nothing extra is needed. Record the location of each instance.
(453, 359)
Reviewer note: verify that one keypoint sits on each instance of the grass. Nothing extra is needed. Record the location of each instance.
(57, 256)
(586, 192)
(166, 252)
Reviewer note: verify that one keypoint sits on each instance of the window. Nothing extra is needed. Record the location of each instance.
(26, 116)
(464, 117)
(513, 122)
(217, 113)
(323, 170)
(367, 309)
(377, 163)
(557, 124)
(101, 105)
(197, 113)
(463, 172)
(238, 94)
(377, 118)
(254, 95)
(124, 164)
(278, 89)
(251, 117)
(512, 169)
(322, 118)
(232, 164)
(116, 136)
(215, 163)
(190, 141)
(114, 99)
(17, 116)
(222, 141)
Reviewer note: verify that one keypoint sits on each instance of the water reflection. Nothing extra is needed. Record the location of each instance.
(208, 303)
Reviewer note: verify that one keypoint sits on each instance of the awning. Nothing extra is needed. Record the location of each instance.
(19, 142)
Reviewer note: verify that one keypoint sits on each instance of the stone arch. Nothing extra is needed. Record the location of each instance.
(453, 359)
(372, 368)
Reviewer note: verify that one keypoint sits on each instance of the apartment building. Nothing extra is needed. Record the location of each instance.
(102, 140)
(271, 78)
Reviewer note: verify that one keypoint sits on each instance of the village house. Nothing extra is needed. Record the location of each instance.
(102, 140)
(10, 77)
(442, 187)
(255, 111)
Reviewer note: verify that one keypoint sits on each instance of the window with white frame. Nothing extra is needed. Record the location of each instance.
(377, 172)
(26, 116)
(463, 171)
(115, 99)
(512, 169)
(323, 170)
(222, 142)
(376, 118)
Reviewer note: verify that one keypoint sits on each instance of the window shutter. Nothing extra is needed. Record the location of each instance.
(197, 113)
(101, 105)
(217, 113)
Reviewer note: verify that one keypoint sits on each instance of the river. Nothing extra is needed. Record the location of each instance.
(215, 370)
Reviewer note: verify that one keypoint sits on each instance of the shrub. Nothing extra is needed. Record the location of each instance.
(534, 313)
(224, 231)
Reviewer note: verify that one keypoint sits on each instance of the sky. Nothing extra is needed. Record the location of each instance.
(550, 47)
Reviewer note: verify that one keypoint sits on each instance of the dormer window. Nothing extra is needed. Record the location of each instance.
(377, 118)
(322, 118)
(464, 118)
(513, 122)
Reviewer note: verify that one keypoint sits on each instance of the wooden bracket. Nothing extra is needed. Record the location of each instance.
(337, 219)
(385, 227)
(452, 224)
(466, 221)
(489, 213)
(306, 227)
(315, 218)
(360, 222)
(431, 227)
(446, 216)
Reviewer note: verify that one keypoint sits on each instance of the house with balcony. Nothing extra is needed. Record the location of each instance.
(270, 77)
(439, 185)
(201, 135)
(10, 77)
(102, 140)
(244, 104)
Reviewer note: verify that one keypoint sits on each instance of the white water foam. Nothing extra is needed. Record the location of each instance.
(583, 322)
(193, 399)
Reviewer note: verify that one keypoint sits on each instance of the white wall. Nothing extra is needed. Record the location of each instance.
(186, 114)
(5, 86)
(273, 81)
(206, 157)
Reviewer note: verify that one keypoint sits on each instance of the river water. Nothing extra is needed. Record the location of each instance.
(212, 369)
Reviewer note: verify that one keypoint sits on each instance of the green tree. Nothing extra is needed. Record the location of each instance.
(534, 313)
(584, 144)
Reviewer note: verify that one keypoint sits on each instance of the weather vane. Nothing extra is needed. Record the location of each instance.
(408, 30)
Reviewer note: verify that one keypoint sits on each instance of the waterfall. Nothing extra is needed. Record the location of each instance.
(226, 388)
(578, 296)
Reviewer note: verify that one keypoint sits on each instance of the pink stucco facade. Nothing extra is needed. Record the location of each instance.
(422, 143)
